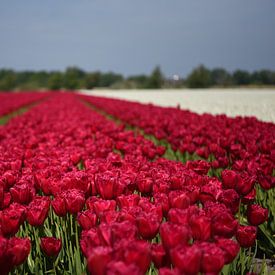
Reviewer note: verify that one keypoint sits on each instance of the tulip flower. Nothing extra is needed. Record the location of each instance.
(51, 246)
(98, 259)
(187, 258)
(87, 219)
(158, 255)
(230, 249)
(246, 235)
(59, 206)
(148, 225)
(256, 214)
(173, 234)
(11, 219)
(38, 210)
(121, 268)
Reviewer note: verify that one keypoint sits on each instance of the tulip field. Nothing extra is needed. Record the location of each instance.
(94, 185)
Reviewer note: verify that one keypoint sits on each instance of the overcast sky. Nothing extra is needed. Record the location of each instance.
(133, 36)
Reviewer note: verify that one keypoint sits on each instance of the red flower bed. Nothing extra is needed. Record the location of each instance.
(74, 184)
(12, 102)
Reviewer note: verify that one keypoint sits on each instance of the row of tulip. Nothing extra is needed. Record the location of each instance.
(238, 149)
(78, 191)
(12, 102)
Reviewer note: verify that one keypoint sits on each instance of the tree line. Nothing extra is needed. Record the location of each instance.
(75, 78)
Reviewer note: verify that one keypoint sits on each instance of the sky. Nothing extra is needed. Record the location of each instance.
(133, 36)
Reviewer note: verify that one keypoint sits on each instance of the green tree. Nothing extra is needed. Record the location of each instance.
(55, 81)
(92, 80)
(7, 80)
(241, 77)
(220, 77)
(200, 77)
(73, 77)
(155, 80)
(110, 78)
(139, 80)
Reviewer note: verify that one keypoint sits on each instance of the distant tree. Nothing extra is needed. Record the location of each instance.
(108, 79)
(139, 80)
(7, 80)
(155, 80)
(263, 77)
(220, 77)
(55, 81)
(73, 77)
(200, 77)
(92, 80)
(241, 77)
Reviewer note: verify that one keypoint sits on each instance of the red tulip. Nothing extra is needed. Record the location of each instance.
(245, 184)
(89, 240)
(173, 234)
(109, 216)
(124, 230)
(145, 185)
(22, 193)
(178, 199)
(231, 199)
(98, 259)
(75, 200)
(12, 218)
(148, 225)
(212, 258)
(256, 214)
(121, 268)
(158, 255)
(105, 185)
(101, 206)
(38, 210)
(201, 227)
(128, 201)
(59, 206)
(230, 249)
(51, 246)
(223, 224)
(229, 179)
(18, 250)
(246, 235)
(87, 219)
(137, 252)
(169, 271)
(187, 258)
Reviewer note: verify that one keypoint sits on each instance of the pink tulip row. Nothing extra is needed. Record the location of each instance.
(244, 144)
(12, 102)
(136, 209)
